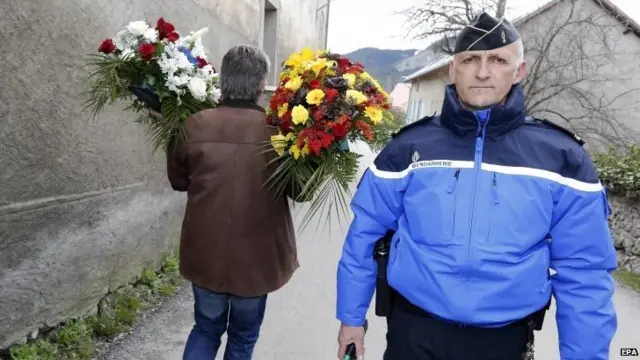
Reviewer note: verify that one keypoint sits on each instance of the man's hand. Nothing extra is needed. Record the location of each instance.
(348, 335)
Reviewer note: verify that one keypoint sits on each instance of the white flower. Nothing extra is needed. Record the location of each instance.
(193, 36)
(124, 40)
(215, 95)
(198, 49)
(137, 28)
(151, 35)
(206, 72)
(174, 83)
(198, 88)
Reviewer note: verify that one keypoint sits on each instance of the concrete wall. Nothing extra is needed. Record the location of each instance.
(625, 226)
(84, 206)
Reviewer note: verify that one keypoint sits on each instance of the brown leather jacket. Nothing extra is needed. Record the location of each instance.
(236, 238)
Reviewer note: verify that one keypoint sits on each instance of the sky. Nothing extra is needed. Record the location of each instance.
(354, 24)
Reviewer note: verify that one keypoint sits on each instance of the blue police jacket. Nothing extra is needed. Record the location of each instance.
(492, 214)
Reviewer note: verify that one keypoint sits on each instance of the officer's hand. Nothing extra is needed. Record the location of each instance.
(348, 335)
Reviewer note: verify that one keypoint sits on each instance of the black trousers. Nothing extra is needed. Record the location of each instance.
(413, 334)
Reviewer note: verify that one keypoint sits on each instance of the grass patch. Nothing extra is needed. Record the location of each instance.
(628, 278)
(117, 313)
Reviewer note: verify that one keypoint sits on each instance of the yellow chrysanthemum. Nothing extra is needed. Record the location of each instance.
(297, 152)
(282, 109)
(294, 83)
(299, 114)
(373, 113)
(365, 76)
(294, 60)
(351, 79)
(318, 65)
(279, 143)
(315, 96)
(307, 54)
(356, 96)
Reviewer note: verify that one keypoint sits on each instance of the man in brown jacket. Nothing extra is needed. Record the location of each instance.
(237, 242)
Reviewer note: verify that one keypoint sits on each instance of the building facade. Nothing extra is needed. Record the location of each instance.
(84, 205)
(583, 71)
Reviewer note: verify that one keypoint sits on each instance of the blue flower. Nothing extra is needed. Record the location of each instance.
(192, 59)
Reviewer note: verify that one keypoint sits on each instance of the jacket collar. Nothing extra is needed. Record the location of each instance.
(241, 104)
(501, 119)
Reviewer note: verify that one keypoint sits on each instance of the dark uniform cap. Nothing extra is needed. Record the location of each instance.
(486, 33)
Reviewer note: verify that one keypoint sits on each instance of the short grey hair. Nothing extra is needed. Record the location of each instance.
(243, 72)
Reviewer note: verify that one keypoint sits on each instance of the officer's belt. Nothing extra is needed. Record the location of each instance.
(534, 319)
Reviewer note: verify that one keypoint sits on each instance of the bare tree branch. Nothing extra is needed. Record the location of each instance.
(572, 54)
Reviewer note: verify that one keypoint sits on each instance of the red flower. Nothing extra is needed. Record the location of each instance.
(339, 131)
(318, 115)
(173, 37)
(147, 51)
(343, 64)
(317, 139)
(314, 84)
(365, 129)
(202, 62)
(286, 125)
(166, 30)
(107, 46)
(330, 95)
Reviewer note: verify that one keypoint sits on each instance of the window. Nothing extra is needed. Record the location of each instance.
(270, 37)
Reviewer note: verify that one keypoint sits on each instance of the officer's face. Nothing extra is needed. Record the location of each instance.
(484, 78)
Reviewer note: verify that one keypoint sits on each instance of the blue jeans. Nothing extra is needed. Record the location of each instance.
(216, 313)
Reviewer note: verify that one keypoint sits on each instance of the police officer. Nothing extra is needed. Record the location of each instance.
(492, 212)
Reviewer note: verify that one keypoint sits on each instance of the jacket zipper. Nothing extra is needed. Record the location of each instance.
(477, 166)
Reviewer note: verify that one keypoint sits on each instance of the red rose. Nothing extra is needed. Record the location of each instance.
(107, 46)
(166, 30)
(339, 131)
(146, 51)
(173, 37)
(202, 62)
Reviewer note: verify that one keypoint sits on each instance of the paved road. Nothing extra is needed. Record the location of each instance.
(300, 321)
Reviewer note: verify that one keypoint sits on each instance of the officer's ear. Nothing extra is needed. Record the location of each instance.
(521, 72)
(452, 71)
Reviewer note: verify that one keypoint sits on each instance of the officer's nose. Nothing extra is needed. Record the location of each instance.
(483, 72)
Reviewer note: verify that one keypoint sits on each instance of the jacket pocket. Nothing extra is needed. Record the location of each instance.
(430, 205)
(494, 201)
(453, 193)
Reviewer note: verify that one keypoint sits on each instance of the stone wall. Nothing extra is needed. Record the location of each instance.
(84, 205)
(625, 226)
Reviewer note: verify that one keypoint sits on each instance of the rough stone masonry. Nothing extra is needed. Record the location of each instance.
(625, 226)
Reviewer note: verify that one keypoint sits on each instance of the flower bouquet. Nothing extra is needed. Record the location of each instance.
(323, 102)
(156, 69)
